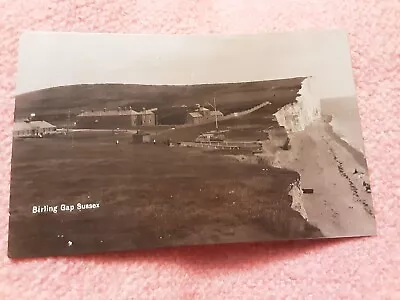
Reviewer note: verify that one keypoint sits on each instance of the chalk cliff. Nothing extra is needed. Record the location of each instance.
(295, 117)
(296, 193)
(306, 109)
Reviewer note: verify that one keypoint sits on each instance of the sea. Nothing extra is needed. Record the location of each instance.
(346, 121)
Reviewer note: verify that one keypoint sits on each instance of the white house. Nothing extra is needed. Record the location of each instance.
(32, 128)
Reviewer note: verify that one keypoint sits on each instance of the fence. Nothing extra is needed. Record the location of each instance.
(223, 145)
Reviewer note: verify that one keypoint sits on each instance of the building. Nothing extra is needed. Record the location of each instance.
(122, 117)
(22, 129)
(141, 138)
(216, 113)
(203, 115)
(146, 118)
(33, 129)
(204, 111)
(195, 118)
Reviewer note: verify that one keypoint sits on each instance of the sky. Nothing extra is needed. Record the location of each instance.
(49, 59)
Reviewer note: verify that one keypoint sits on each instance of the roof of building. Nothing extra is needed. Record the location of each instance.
(19, 126)
(141, 134)
(195, 115)
(146, 112)
(100, 113)
(218, 113)
(42, 124)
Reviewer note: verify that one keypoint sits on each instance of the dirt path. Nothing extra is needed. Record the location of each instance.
(340, 205)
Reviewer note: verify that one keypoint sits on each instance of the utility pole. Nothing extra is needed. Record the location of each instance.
(68, 120)
(215, 111)
(68, 128)
(216, 115)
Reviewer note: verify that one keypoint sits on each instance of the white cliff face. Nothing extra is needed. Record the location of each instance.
(307, 108)
(296, 117)
(297, 203)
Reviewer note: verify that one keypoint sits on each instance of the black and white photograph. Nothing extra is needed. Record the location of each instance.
(124, 142)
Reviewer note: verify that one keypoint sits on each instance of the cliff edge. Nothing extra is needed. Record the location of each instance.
(304, 111)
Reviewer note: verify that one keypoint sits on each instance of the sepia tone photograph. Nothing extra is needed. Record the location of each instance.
(124, 142)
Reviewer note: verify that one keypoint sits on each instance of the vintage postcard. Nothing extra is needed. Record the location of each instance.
(125, 142)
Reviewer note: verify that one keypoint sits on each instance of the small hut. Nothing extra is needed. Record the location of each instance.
(141, 138)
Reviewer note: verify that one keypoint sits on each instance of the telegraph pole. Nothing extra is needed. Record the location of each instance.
(216, 115)
(68, 120)
(215, 111)
(68, 127)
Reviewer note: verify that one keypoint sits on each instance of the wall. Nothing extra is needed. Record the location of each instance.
(105, 122)
(193, 120)
(147, 119)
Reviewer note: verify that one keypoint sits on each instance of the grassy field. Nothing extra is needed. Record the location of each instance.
(245, 128)
(97, 96)
(149, 195)
(53, 104)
